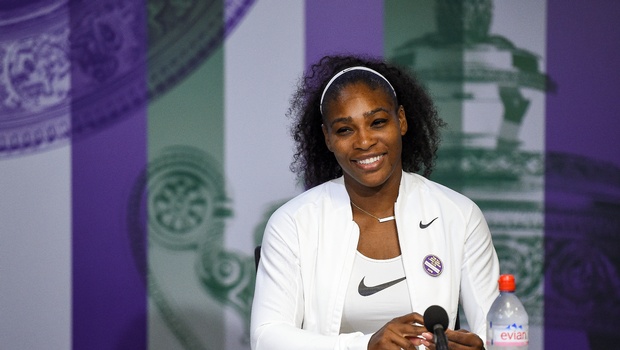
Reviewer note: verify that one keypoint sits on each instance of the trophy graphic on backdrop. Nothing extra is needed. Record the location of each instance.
(483, 86)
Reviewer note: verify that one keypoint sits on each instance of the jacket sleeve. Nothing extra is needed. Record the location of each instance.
(480, 272)
(278, 306)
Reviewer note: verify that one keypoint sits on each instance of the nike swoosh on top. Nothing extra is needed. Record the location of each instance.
(366, 291)
(423, 226)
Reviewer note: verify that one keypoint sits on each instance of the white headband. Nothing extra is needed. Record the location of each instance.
(348, 70)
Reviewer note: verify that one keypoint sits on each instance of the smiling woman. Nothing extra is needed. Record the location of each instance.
(363, 130)
(334, 258)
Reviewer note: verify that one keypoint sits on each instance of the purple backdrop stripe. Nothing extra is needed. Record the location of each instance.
(583, 58)
(343, 27)
(109, 297)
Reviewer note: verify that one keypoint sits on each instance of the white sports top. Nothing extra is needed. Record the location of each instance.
(376, 294)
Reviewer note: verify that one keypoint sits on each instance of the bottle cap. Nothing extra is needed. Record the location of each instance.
(506, 283)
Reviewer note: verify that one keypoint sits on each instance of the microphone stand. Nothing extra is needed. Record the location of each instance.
(441, 342)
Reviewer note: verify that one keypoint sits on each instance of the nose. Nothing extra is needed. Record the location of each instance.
(365, 139)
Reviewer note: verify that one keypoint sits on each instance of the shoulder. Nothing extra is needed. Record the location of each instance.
(304, 215)
(426, 190)
(328, 194)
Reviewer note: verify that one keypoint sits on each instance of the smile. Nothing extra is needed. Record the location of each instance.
(370, 160)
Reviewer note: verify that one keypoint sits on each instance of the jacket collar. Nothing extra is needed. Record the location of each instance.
(340, 196)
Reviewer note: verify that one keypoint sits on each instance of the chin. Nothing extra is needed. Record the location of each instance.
(370, 182)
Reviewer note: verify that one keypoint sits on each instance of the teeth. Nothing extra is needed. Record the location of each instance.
(369, 160)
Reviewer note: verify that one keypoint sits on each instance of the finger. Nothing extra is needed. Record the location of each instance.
(407, 334)
(465, 338)
(406, 341)
(417, 341)
(391, 341)
(427, 339)
(408, 330)
(413, 324)
(419, 319)
(405, 331)
(389, 337)
(413, 317)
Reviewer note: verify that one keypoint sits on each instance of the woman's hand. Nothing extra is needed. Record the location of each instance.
(400, 333)
(457, 340)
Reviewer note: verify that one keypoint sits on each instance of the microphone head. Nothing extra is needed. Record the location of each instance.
(435, 315)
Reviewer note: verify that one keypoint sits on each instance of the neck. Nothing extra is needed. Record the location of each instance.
(381, 198)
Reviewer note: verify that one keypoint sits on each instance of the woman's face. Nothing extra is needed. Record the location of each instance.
(364, 130)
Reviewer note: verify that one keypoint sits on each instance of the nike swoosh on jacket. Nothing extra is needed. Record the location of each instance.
(366, 291)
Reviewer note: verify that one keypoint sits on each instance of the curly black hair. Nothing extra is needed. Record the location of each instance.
(314, 163)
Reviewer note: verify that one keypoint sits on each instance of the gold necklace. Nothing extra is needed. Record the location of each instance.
(385, 219)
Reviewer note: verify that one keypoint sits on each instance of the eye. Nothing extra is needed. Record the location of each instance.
(343, 130)
(379, 122)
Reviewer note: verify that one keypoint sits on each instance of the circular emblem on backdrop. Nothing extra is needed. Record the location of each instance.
(432, 265)
(182, 196)
(68, 69)
(176, 222)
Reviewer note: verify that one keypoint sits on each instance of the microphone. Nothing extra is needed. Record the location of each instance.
(436, 320)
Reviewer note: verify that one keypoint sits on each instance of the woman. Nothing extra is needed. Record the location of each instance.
(353, 262)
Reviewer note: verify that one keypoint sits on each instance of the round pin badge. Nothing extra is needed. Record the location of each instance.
(432, 265)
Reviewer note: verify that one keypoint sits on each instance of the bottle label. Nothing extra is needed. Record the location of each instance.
(510, 335)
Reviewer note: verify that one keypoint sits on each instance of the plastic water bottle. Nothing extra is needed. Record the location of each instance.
(507, 321)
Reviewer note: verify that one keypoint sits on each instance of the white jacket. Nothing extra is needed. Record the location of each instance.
(307, 258)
